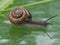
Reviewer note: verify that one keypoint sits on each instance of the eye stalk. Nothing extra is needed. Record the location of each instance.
(51, 17)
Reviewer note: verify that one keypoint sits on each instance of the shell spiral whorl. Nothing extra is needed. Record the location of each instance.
(19, 15)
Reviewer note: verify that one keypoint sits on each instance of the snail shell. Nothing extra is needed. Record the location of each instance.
(19, 15)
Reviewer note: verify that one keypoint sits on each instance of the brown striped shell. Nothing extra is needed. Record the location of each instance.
(19, 15)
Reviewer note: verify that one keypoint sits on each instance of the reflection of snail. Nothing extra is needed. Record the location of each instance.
(21, 15)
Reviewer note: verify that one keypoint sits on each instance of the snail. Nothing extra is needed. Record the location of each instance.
(21, 16)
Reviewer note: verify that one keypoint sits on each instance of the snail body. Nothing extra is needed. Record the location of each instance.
(21, 15)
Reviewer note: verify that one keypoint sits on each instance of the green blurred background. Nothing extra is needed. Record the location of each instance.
(27, 35)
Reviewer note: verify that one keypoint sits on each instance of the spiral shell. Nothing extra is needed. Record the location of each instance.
(19, 15)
